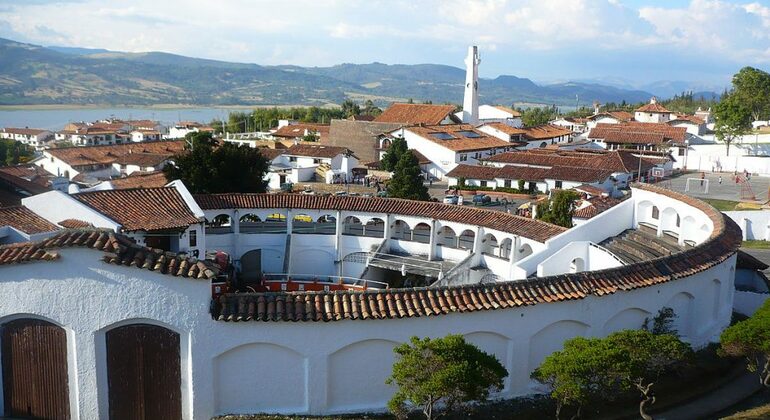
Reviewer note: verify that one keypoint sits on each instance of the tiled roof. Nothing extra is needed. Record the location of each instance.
(590, 189)
(534, 229)
(653, 107)
(692, 119)
(271, 154)
(29, 172)
(142, 208)
(750, 262)
(513, 112)
(410, 114)
(145, 160)
(505, 128)
(638, 133)
(24, 131)
(456, 141)
(154, 179)
(622, 116)
(25, 220)
(75, 224)
(473, 172)
(358, 136)
(22, 184)
(529, 173)
(545, 132)
(417, 302)
(316, 150)
(299, 130)
(597, 204)
(90, 155)
(120, 250)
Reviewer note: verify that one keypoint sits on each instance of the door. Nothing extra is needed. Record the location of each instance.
(251, 265)
(143, 373)
(35, 382)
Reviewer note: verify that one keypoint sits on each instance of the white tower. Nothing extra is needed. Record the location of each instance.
(471, 99)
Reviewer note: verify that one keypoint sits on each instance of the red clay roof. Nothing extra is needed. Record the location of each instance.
(142, 208)
(638, 133)
(412, 114)
(653, 107)
(24, 131)
(534, 229)
(25, 220)
(155, 179)
(622, 116)
(316, 150)
(299, 130)
(597, 204)
(417, 302)
(75, 224)
(90, 155)
(457, 141)
(119, 249)
(545, 132)
(144, 160)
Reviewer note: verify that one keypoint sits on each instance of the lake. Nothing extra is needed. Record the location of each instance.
(55, 119)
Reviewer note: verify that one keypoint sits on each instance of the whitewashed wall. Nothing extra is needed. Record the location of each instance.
(755, 224)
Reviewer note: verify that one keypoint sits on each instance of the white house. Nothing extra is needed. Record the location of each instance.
(140, 135)
(652, 112)
(575, 125)
(528, 137)
(183, 128)
(497, 114)
(608, 117)
(305, 162)
(694, 125)
(414, 114)
(449, 145)
(32, 137)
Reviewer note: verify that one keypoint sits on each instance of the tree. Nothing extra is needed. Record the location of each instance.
(350, 108)
(391, 157)
(589, 370)
(535, 116)
(13, 152)
(751, 339)
(310, 136)
(371, 109)
(733, 119)
(559, 209)
(407, 181)
(445, 370)
(207, 167)
(751, 87)
(662, 323)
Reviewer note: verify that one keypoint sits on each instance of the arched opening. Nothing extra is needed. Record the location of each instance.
(543, 145)
(447, 237)
(275, 223)
(489, 245)
(221, 223)
(466, 239)
(421, 233)
(385, 144)
(326, 225)
(669, 223)
(35, 378)
(352, 226)
(689, 231)
(144, 372)
(251, 265)
(249, 223)
(655, 213)
(302, 224)
(375, 228)
(400, 231)
(524, 251)
(577, 265)
(505, 248)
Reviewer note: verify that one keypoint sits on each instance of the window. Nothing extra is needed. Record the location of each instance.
(655, 212)
(469, 134)
(507, 183)
(681, 151)
(316, 161)
(292, 158)
(463, 158)
(483, 183)
(193, 238)
(558, 184)
(441, 136)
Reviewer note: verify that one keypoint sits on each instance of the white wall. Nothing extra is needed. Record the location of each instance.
(747, 303)
(755, 224)
(56, 206)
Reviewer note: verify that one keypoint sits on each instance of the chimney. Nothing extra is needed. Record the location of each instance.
(471, 98)
(653, 100)
(596, 107)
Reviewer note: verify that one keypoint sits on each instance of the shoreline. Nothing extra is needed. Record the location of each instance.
(66, 107)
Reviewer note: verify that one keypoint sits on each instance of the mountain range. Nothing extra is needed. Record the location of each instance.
(36, 75)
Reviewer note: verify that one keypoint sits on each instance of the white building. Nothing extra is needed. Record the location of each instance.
(575, 125)
(652, 112)
(32, 137)
(608, 117)
(449, 145)
(305, 162)
(140, 135)
(183, 128)
(93, 300)
(528, 137)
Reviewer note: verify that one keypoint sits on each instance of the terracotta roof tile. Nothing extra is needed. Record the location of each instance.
(24, 131)
(410, 114)
(145, 160)
(399, 303)
(316, 150)
(25, 220)
(154, 179)
(90, 155)
(622, 116)
(638, 133)
(142, 208)
(534, 229)
(301, 129)
(458, 137)
(75, 224)
(653, 107)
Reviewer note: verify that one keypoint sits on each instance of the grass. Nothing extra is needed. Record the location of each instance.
(756, 244)
(721, 205)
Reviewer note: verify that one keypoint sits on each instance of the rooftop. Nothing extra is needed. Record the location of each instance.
(653, 107)
(300, 129)
(154, 179)
(25, 220)
(638, 133)
(412, 114)
(458, 137)
(25, 131)
(316, 150)
(90, 155)
(622, 116)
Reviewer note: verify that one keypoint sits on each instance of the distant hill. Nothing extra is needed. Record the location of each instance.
(31, 74)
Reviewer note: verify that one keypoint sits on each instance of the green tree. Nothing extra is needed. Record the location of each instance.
(207, 167)
(751, 87)
(391, 157)
(733, 119)
(371, 109)
(535, 116)
(559, 208)
(14, 153)
(350, 108)
(445, 370)
(310, 136)
(407, 181)
(751, 339)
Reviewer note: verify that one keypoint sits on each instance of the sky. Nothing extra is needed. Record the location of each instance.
(626, 42)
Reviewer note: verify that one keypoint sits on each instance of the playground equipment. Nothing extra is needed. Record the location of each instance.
(747, 193)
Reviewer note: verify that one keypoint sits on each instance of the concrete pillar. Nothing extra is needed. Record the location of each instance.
(767, 233)
(745, 228)
(432, 246)
(388, 222)
(317, 383)
(338, 235)
(236, 222)
(514, 257)
(477, 240)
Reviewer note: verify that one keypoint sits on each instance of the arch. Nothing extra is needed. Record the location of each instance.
(351, 225)
(627, 319)
(682, 303)
(577, 265)
(249, 218)
(400, 230)
(655, 214)
(385, 143)
(505, 248)
(466, 239)
(279, 387)
(221, 220)
(249, 223)
(524, 251)
(375, 357)
(275, 223)
(35, 369)
(251, 265)
(669, 220)
(447, 237)
(144, 378)
(326, 225)
(421, 233)
(543, 145)
(644, 212)
(689, 230)
(375, 228)
(489, 244)
(302, 224)
(551, 338)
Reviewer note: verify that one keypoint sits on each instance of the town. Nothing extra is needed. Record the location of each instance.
(393, 259)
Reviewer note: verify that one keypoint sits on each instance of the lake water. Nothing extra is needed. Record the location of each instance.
(55, 119)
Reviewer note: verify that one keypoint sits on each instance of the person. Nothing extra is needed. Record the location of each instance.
(720, 180)
(702, 177)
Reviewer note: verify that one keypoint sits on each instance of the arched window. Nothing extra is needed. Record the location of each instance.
(505, 248)
(655, 213)
(577, 265)
(375, 228)
(466, 239)
(447, 237)
(489, 244)
(421, 233)
(352, 226)
(401, 231)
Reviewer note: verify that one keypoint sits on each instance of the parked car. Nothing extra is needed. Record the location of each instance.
(480, 199)
(341, 193)
(450, 199)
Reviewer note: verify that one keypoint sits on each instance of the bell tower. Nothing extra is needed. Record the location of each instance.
(471, 98)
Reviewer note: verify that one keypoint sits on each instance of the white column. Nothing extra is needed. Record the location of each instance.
(388, 221)
(317, 383)
(337, 235)
(477, 240)
(432, 246)
(513, 258)
(236, 222)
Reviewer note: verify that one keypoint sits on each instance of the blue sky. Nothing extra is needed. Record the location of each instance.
(632, 42)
